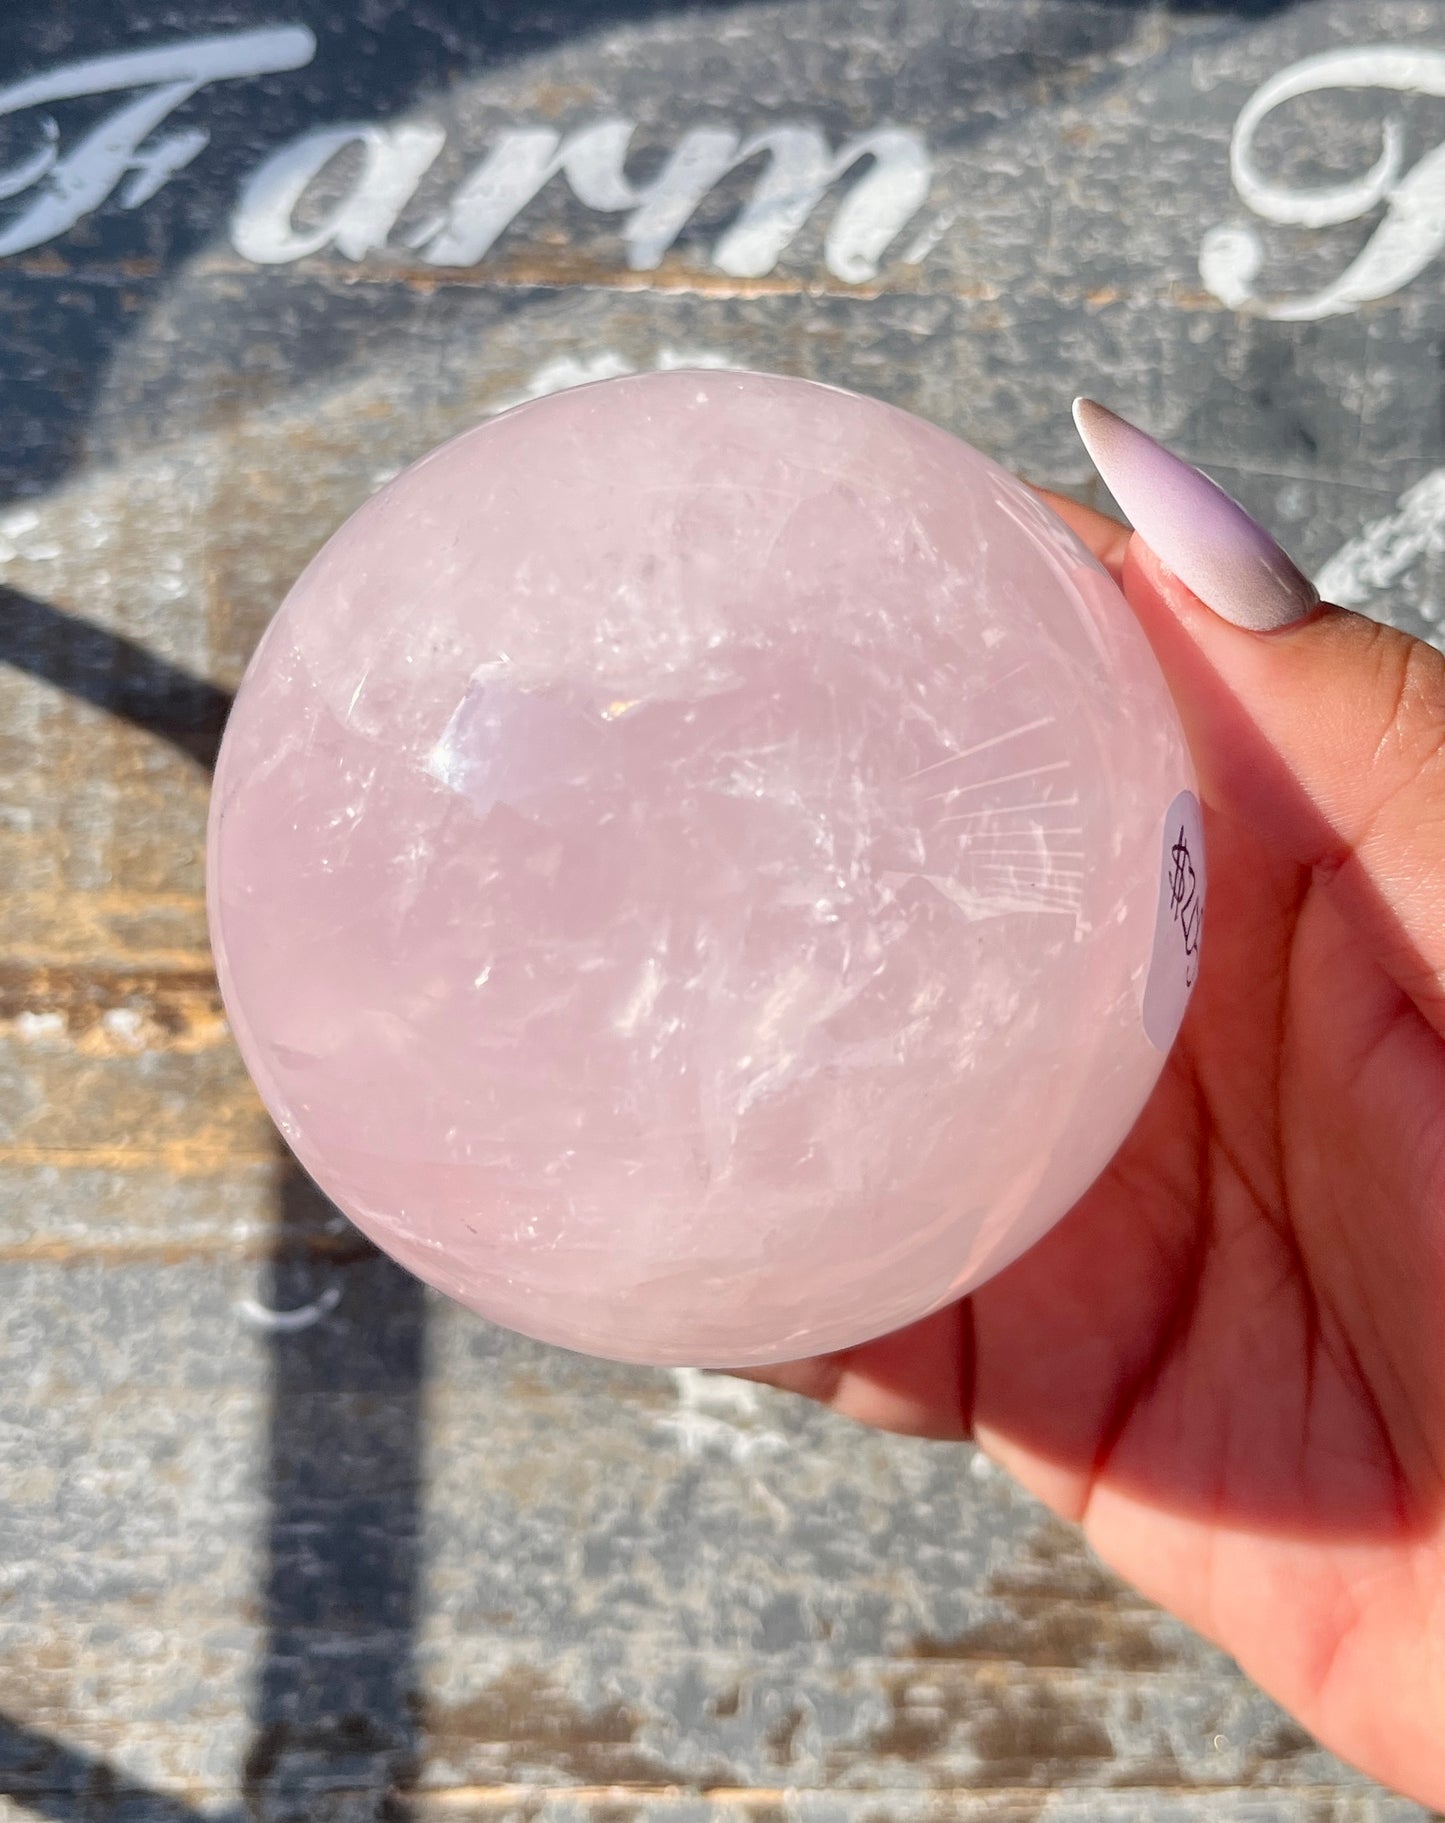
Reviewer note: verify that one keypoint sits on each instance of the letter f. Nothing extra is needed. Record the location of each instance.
(71, 187)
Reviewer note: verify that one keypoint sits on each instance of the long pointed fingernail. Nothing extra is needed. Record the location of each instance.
(1194, 528)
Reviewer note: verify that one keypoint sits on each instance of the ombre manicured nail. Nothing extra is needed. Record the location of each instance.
(1194, 528)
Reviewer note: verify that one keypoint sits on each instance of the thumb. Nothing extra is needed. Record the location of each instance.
(1323, 730)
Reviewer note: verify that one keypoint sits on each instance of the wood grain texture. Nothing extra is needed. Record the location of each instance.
(284, 1537)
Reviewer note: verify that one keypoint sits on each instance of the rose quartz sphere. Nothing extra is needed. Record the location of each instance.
(684, 866)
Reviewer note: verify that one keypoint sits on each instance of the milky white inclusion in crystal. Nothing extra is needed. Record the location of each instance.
(684, 867)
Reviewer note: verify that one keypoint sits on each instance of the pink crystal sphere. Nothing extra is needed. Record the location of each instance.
(684, 866)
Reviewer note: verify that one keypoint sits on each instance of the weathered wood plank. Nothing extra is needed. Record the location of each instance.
(104, 830)
(721, 1588)
(774, 1805)
(385, 1560)
(767, 1804)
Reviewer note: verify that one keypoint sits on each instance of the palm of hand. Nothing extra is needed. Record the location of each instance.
(1228, 1361)
(1225, 1363)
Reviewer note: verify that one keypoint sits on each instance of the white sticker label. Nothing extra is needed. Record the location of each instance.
(1178, 924)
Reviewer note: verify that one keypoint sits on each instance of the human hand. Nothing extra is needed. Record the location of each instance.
(1227, 1364)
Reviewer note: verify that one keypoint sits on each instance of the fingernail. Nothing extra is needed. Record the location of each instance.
(1194, 528)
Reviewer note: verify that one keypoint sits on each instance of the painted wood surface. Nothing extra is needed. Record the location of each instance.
(281, 1535)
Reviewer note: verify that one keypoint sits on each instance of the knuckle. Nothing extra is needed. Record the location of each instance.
(1408, 762)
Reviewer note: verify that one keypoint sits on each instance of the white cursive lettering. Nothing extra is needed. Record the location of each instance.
(801, 168)
(886, 173)
(1412, 233)
(395, 159)
(120, 147)
(1384, 550)
(513, 172)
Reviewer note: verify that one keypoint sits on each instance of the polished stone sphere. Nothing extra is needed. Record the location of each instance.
(698, 868)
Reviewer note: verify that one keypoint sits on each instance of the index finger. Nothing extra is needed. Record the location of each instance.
(1105, 537)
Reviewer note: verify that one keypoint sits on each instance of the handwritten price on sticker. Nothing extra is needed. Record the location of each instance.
(1186, 902)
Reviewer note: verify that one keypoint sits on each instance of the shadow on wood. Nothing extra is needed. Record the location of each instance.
(336, 1706)
(51, 1780)
(113, 673)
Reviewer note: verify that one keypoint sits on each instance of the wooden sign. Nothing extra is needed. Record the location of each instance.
(284, 1537)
